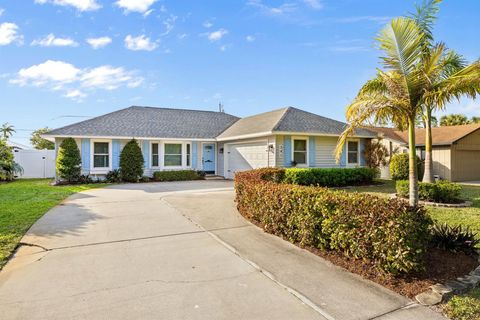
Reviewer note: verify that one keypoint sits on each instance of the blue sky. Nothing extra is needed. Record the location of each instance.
(65, 60)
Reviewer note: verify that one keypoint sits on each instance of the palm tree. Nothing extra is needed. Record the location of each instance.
(446, 77)
(454, 119)
(394, 95)
(7, 130)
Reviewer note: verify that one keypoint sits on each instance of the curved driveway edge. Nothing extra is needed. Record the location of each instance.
(177, 251)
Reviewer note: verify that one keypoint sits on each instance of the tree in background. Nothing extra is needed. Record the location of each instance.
(69, 160)
(131, 162)
(475, 120)
(7, 130)
(40, 143)
(454, 119)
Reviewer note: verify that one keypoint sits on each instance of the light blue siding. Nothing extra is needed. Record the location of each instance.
(85, 155)
(343, 158)
(115, 154)
(287, 151)
(146, 153)
(363, 144)
(194, 154)
(311, 151)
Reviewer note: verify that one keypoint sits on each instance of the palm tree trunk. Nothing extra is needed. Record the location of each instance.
(428, 175)
(412, 177)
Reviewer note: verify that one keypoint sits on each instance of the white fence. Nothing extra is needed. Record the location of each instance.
(36, 163)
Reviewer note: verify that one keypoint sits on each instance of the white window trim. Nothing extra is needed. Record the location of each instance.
(357, 164)
(307, 153)
(159, 154)
(92, 153)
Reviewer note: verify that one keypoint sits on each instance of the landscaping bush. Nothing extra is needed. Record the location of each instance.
(441, 191)
(8, 168)
(114, 176)
(177, 175)
(69, 161)
(131, 162)
(399, 165)
(335, 177)
(386, 231)
(453, 238)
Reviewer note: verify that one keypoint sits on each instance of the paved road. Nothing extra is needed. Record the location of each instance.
(177, 251)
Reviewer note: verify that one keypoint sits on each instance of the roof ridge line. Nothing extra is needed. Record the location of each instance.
(287, 109)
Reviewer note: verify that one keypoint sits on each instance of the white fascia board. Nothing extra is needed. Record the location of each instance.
(52, 137)
(317, 134)
(247, 136)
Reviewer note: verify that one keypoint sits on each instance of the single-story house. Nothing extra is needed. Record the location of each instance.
(455, 150)
(215, 142)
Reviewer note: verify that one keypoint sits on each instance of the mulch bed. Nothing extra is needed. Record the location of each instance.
(441, 266)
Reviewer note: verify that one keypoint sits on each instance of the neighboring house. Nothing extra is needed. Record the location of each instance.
(455, 149)
(17, 146)
(215, 142)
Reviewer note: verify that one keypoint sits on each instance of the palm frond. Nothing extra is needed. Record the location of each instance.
(425, 16)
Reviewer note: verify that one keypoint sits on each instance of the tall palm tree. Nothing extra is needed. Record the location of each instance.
(395, 94)
(7, 130)
(446, 76)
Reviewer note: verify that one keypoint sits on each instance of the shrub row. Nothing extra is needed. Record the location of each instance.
(177, 175)
(441, 191)
(334, 177)
(386, 231)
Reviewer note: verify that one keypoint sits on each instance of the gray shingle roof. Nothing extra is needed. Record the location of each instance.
(289, 120)
(151, 122)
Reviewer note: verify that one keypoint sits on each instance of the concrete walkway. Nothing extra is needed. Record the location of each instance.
(177, 251)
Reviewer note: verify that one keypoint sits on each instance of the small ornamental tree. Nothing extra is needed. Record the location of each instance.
(375, 154)
(69, 160)
(131, 162)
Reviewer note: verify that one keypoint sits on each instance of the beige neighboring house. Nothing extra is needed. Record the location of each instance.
(455, 150)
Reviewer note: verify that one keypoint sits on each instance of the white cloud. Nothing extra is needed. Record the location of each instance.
(250, 38)
(108, 78)
(97, 43)
(9, 34)
(1, 11)
(140, 43)
(283, 9)
(169, 24)
(140, 6)
(217, 35)
(377, 19)
(207, 24)
(81, 5)
(49, 72)
(182, 36)
(52, 41)
(75, 95)
(314, 4)
(68, 79)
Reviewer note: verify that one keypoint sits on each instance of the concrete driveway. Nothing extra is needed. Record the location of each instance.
(177, 251)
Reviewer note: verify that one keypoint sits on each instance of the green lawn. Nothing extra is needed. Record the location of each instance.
(453, 216)
(464, 307)
(22, 202)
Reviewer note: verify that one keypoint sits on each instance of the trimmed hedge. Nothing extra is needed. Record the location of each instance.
(177, 175)
(399, 166)
(69, 161)
(334, 177)
(388, 232)
(131, 162)
(441, 191)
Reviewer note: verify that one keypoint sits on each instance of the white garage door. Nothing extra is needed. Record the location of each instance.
(246, 156)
